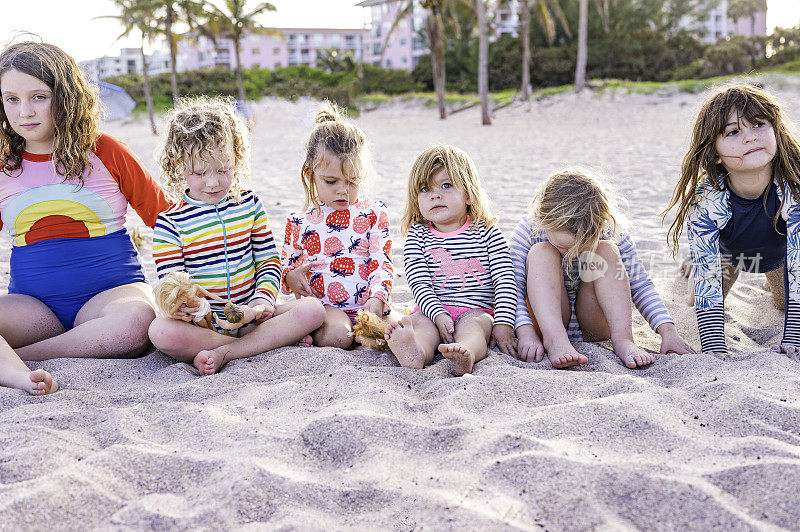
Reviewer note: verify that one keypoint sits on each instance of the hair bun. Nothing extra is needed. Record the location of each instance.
(329, 113)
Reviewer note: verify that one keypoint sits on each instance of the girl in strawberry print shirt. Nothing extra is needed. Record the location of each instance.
(339, 250)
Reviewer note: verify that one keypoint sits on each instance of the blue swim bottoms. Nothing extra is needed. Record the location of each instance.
(65, 273)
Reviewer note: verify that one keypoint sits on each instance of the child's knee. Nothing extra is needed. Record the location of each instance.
(542, 251)
(164, 335)
(311, 311)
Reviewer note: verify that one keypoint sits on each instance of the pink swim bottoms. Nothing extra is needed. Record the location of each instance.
(455, 312)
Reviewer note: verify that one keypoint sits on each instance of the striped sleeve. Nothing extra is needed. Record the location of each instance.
(643, 291)
(167, 247)
(502, 271)
(418, 276)
(265, 255)
(520, 245)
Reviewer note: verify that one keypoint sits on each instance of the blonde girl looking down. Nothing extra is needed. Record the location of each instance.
(339, 249)
(219, 234)
(576, 273)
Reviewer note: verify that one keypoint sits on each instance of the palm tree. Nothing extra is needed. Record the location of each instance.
(172, 12)
(138, 15)
(583, 23)
(547, 11)
(437, 10)
(233, 23)
(483, 56)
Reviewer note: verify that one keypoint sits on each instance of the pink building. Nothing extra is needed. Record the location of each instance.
(294, 46)
(405, 46)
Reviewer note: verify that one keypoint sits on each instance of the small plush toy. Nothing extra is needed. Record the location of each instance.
(369, 330)
(176, 289)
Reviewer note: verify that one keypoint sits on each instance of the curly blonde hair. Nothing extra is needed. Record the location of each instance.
(464, 175)
(339, 137)
(579, 202)
(198, 126)
(74, 108)
(701, 164)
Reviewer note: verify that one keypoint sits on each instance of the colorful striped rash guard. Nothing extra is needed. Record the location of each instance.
(227, 248)
(643, 291)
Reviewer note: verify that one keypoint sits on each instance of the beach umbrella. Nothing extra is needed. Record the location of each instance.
(118, 103)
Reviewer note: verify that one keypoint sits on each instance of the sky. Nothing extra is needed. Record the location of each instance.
(85, 37)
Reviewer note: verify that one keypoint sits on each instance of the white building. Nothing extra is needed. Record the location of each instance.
(129, 61)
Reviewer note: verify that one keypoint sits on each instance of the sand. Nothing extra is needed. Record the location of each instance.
(322, 439)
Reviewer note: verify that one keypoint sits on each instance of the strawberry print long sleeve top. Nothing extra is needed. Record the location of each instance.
(351, 252)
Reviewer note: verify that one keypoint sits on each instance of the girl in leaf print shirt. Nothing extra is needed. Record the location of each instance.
(339, 250)
(738, 196)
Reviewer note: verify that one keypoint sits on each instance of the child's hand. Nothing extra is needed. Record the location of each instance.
(297, 282)
(375, 305)
(262, 311)
(503, 338)
(529, 345)
(444, 322)
(671, 341)
(786, 349)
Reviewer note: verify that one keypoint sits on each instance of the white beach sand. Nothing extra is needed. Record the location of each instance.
(321, 439)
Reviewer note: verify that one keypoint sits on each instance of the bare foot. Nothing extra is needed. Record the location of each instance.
(564, 356)
(403, 343)
(210, 362)
(461, 360)
(307, 341)
(632, 355)
(41, 383)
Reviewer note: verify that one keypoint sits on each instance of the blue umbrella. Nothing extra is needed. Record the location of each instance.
(117, 103)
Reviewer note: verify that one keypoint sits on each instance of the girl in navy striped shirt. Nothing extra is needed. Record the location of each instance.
(578, 273)
(457, 264)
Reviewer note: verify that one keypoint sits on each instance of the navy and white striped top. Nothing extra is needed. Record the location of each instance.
(470, 267)
(644, 293)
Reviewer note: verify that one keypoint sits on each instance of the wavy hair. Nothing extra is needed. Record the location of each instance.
(579, 202)
(74, 108)
(198, 126)
(462, 172)
(339, 137)
(701, 164)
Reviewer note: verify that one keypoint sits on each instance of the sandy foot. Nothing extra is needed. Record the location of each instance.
(564, 356)
(210, 362)
(632, 355)
(403, 343)
(42, 383)
(461, 360)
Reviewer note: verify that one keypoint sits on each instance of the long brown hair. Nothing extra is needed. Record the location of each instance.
(701, 164)
(74, 108)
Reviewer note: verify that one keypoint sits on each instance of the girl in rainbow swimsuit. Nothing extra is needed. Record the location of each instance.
(76, 288)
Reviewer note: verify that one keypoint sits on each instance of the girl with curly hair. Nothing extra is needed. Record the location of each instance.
(77, 288)
(220, 235)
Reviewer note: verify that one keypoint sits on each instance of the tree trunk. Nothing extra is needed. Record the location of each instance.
(173, 52)
(525, 36)
(580, 67)
(147, 98)
(239, 77)
(483, 67)
(436, 37)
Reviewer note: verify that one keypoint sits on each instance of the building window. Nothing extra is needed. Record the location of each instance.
(256, 51)
(276, 51)
(376, 48)
(388, 63)
(402, 42)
